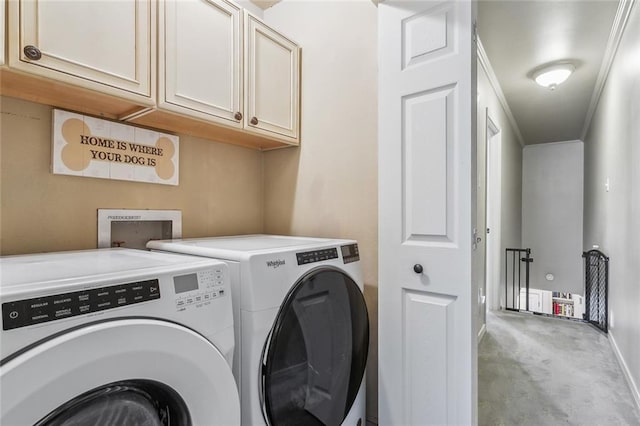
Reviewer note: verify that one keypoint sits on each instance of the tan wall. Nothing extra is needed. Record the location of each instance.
(220, 189)
(328, 187)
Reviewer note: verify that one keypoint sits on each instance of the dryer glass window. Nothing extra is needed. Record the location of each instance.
(135, 402)
(316, 355)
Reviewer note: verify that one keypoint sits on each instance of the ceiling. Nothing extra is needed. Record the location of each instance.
(519, 36)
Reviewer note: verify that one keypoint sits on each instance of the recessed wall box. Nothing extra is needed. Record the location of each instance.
(134, 228)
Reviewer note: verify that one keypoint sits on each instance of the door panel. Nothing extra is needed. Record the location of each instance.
(428, 34)
(91, 356)
(316, 353)
(202, 57)
(427, 319)
(428, 166)
(138, 402)
(427, 351)
(272, 81)
(104, 42)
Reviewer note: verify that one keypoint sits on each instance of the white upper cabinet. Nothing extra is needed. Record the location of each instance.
(272, 81)
(101, 45)
(200, 52)
(198, 67)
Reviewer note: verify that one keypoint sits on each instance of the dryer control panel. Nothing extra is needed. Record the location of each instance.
(316, 256)
(350, 253)
(21, 313)
(198, 289)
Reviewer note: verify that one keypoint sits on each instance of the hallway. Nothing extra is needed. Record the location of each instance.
(534, 370)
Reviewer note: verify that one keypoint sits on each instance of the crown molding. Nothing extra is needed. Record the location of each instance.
(617, 30)
(493, 80)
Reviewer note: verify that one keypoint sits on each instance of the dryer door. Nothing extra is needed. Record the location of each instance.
(130, 371)
(315, 357)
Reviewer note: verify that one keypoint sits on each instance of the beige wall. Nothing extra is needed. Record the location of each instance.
(612, 218)
(326, 188)
(329, 187)
(220, 189)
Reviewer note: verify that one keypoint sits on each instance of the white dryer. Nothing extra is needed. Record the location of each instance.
(116, 336)
(302, 330)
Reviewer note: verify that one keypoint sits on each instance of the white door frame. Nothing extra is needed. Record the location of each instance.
(493, 137)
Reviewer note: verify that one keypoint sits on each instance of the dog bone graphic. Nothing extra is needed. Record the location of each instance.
(77, 156)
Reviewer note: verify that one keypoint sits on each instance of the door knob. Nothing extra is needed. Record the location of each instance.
(32, 52)
(254, 121)
(238, 116)
(417, 268)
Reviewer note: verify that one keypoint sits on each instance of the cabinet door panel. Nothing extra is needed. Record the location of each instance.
(202, 67)
(107, 42)
(272, 80)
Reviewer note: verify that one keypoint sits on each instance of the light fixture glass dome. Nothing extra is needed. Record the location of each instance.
(554, 75)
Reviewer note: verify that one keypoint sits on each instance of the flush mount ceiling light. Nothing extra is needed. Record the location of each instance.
(553, 75)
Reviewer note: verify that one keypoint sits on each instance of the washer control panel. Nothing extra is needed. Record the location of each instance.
(198, 289)
(316, 256)
(21, 313)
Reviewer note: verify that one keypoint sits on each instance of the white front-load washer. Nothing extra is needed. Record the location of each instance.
(302, 331)
(116, 337)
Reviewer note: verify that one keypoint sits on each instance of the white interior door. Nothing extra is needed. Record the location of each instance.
(428, 341)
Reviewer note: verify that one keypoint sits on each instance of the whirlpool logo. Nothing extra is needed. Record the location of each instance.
(275, 263)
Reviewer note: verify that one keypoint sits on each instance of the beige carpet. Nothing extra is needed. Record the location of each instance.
(534, 370)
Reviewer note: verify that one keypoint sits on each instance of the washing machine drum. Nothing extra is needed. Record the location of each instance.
(315, 356)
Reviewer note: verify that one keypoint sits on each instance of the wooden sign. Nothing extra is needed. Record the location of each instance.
(91, 147)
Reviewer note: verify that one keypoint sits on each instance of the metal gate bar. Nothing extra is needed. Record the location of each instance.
(513, 286)
(596, 274)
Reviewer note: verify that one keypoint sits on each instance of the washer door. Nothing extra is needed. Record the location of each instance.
(129, 371)
(316, 352)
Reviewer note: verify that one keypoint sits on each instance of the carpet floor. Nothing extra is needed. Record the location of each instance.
(535, 370)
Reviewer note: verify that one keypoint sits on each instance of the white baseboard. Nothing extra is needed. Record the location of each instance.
(482, 332)
(627, 374)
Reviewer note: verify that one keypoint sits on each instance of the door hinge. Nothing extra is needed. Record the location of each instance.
(475, 31)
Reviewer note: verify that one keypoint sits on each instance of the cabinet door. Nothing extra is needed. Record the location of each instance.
(106, 42)
(272, 81)
(200, 59)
